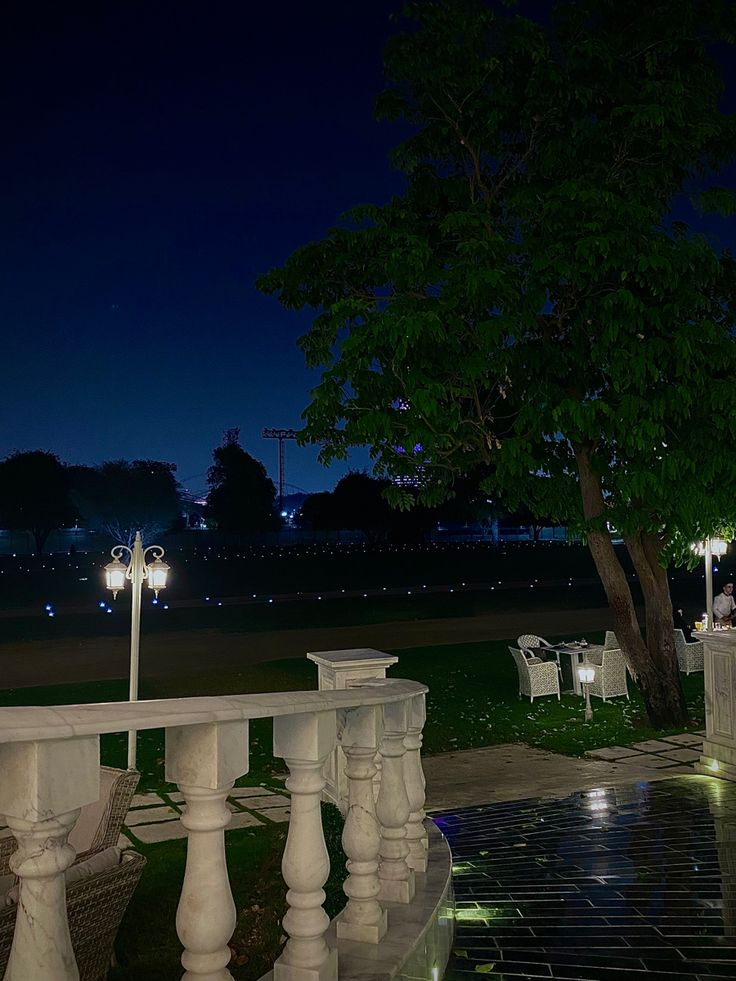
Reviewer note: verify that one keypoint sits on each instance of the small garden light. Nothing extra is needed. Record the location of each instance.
(586, 677)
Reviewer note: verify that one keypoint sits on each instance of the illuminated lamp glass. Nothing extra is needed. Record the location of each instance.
(157, 573)
(115, 576)
(586, 673)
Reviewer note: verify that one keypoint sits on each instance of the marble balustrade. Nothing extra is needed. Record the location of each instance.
(49, 768)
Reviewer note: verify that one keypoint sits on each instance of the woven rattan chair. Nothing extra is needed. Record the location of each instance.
(536, 677)
(610, 675)
(689, 656)
(528, 642)
(95, 908)
(103, 819)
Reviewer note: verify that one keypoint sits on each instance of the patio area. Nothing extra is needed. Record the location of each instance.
(636, 881)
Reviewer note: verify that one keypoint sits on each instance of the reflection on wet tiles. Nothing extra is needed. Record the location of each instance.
(605, 885)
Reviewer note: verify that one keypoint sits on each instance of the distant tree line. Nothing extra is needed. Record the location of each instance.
(39, 494)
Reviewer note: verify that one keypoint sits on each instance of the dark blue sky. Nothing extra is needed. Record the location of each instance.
(157, 157)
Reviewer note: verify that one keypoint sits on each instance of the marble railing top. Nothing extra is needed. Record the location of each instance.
(723, 635)
(28, 723)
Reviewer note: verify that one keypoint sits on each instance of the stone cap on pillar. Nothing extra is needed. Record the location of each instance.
(364, 657)
(342, 669)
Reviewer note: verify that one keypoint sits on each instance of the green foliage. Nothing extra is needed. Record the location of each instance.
(34, 494)
(529, 295)
(242, 495)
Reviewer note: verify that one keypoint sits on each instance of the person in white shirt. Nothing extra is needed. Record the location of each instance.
(724, 605)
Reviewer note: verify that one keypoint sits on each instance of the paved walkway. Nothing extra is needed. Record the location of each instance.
(512, 771)
(634, 882)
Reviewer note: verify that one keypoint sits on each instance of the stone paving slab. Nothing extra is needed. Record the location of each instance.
(145, 800)
(684, 739)
(261, 803)
(166, 831)
(650, 746)
(150, 815)
(242, 819)
(277, 814)
(685, 754)
(648, 760)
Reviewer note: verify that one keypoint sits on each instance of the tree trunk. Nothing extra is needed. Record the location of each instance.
(40, 537)
(654, 663)
(662, 690)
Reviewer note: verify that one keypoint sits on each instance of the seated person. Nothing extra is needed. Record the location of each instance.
(680, 624)
(724, 606)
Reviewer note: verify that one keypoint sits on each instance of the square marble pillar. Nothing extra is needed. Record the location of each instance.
(338, 670)
(719, 746)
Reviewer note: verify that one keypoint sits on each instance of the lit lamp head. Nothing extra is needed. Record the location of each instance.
(586, 673)
(157, 573)
(718, 547)
(115, 573)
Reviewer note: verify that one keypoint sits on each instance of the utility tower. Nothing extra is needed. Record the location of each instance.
(280, 435)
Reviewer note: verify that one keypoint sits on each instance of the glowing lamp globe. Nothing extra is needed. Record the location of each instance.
(115, 573)
(586, 674)
(157, 573)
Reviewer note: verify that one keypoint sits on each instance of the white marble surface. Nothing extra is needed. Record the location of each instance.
(35, 723)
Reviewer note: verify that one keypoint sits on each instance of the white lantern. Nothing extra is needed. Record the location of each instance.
(115, 573)
(718, 547)
(157, 573)
(586, 673)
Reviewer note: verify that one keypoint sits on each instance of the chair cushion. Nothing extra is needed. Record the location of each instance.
(91, 816)
(95, 864)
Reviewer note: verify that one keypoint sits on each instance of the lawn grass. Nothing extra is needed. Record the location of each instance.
(473, 701)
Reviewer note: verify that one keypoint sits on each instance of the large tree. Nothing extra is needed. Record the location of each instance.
(533, 307)
(34, 494)
(242, 495)
(120, 497)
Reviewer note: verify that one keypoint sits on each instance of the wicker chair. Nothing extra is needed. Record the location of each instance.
(611, 643)
(95, 906)
(610, 676)
(527, 641)
(536, 677)
(98, 826)
(689, 656)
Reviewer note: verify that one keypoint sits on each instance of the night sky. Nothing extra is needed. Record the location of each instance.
(157, 157)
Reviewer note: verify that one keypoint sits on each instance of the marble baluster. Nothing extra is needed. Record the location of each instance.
(205, 760)
(416, 834)
(363, 918)
(305, 741)
(392, 808)
(43, 786)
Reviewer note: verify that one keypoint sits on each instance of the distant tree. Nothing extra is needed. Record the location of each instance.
(358, 502)
(121, 497)
(34, 495)
(242, 495)
(317, 513)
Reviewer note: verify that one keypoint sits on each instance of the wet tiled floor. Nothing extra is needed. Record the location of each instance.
(605, 885)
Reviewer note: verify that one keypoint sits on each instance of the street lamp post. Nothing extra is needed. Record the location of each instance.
(586, 676)
(710, 547)
(138, 568)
